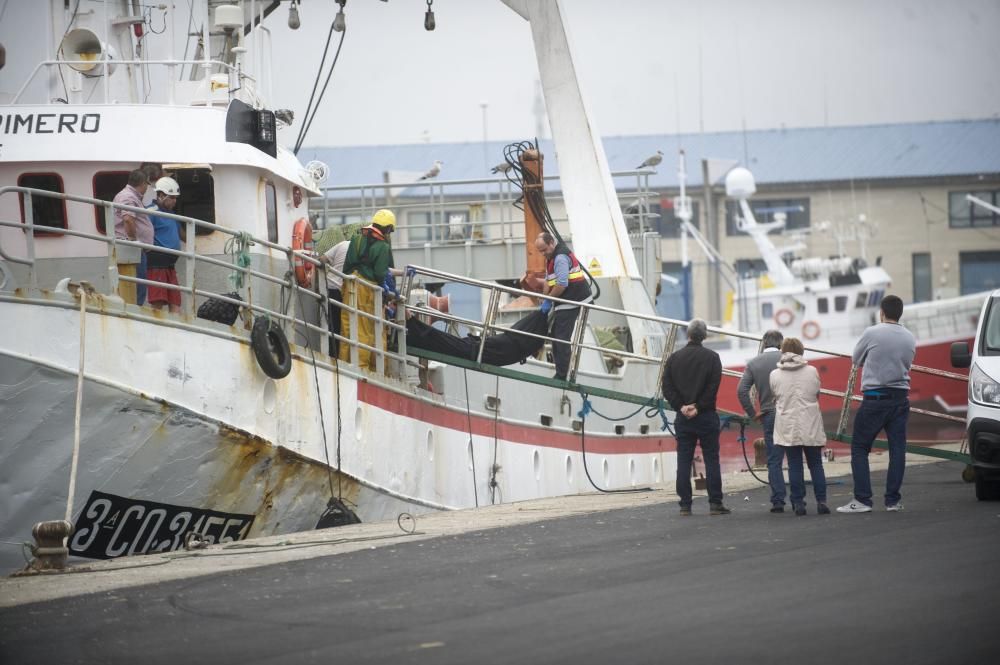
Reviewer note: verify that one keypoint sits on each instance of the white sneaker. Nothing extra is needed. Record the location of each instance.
(855, 507)
(894, 508)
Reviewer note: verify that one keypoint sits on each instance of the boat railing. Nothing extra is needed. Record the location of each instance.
(235, 75)
(484, 208)
(674, 329)
(123, 254)
(118, 248)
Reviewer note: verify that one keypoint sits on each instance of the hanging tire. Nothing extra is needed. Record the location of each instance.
(270, 347)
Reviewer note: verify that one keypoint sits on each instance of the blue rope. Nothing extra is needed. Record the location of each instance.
(655, 407)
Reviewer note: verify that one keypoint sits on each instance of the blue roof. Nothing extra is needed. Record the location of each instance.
(775, 156)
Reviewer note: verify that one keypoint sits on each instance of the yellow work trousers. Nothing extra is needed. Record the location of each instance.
(363, 298)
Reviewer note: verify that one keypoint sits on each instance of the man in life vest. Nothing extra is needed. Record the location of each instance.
(564, 278)
(369, 258)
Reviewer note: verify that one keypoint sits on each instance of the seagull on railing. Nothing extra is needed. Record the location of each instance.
(652, 161)
(502, 167)
(433, 171)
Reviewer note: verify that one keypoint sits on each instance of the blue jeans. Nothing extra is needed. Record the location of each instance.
(874, 416)
(703, 428)
(775, 456)
(796, 477)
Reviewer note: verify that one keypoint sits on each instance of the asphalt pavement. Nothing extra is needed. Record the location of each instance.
(637, 584)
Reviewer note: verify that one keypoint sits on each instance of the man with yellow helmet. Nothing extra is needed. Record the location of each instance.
(369, 258)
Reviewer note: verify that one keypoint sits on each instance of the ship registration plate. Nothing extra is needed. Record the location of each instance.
(110, 526)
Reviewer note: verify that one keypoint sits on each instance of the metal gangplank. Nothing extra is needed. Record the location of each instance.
(672, 328)
(299, 309)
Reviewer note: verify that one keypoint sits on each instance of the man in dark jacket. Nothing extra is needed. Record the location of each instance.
(691, 380)
(757, 374)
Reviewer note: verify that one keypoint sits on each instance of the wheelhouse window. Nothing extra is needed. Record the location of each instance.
(271, 210)
(107, 184)
(861, 300)
(822, 305)
(796, 213)
(840, 303)
(766, 310)
(197, 197)
(46, 211)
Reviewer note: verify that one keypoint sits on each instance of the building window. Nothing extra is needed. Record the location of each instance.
(840, 303)
(197, 199)
(45, 211)
(796, 213)
(822, 305)
(963, 214)
(922, 285)
(271, 211)
(107, 184)
(750, 267)
(980, 271)
(418, 227)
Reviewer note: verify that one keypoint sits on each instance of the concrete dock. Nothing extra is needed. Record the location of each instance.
(587, 579)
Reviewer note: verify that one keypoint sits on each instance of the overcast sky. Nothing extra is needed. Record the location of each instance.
(646, 66)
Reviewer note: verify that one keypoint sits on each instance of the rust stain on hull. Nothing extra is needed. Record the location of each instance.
(284, 490)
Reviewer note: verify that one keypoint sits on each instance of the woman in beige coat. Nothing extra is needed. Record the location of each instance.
(798, 424)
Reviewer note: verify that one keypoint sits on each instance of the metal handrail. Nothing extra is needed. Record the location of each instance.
(170, 64)
(489, 325)
(190, 284)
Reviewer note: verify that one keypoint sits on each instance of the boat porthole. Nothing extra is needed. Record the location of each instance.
(536, 463)
(569, 470)
(656, 470)
(430, 445)
(270, 396)
(359, 423)
(606, 470)
(631, 471)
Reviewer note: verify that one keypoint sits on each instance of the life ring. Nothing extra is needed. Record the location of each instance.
(784, 317)
(810, 330)
(270, 347)
(302, 241)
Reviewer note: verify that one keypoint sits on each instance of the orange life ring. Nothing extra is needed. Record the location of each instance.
(784, 317)
(810, 330)
(302, 241)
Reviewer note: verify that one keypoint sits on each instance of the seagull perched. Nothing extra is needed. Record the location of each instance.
(433, 171)
(502, 167)
(652, 161)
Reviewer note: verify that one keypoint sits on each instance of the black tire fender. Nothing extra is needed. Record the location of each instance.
(270, 347)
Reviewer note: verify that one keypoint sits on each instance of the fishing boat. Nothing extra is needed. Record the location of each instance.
(129, 430)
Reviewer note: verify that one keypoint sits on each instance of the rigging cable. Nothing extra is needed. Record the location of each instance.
(472, 450)
(310, 113)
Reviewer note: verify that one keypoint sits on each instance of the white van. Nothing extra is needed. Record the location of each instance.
(983, 419)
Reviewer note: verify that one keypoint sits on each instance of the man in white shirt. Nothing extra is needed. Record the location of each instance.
(334, 258)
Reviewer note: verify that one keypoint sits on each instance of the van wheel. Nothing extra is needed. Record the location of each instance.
(987, 489)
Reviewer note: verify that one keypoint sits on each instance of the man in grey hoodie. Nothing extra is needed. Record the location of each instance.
(757, 375)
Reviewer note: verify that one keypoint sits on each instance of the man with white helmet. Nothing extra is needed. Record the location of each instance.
(167, 233)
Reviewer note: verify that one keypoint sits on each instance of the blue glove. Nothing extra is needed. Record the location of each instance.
(389, 285)
(410, 271)
(545, 307)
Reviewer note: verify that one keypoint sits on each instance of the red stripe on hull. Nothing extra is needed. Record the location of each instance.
(440, 416)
